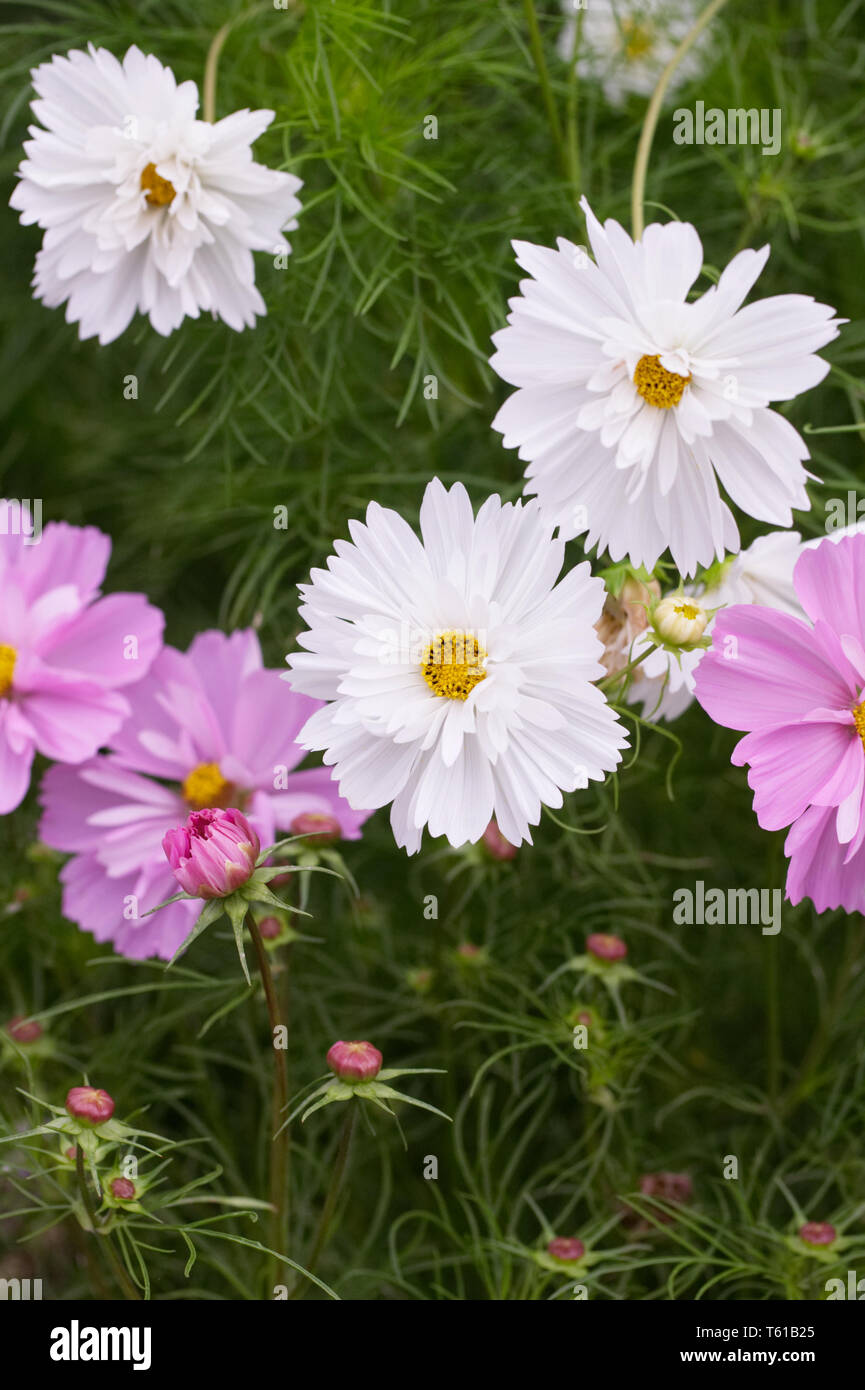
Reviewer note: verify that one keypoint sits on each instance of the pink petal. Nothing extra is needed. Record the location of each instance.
(763, 670)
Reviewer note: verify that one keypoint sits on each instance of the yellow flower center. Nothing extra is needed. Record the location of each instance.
(858, 718)
(688, 610)
(658, 386)
(8, 657)
(206, 787)
(638, 39)
(158, 192)
(453, 665)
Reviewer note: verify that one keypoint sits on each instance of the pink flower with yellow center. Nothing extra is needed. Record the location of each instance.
(209, 729)
(798, 689)
(65, 652)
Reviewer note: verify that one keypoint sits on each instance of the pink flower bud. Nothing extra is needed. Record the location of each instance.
(318, 828)
(498, 846)
(818, 1233)
(468, 950)
(213, 854)
(122, 1189)
(606, 947)
(89, 1105)
(671, 1187)
(71, 1153)
(270, 928)
(354, 1061)
(22, 1032)
(563, 1248)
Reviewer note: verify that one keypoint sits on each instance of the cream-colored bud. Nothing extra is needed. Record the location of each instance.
(680, 620)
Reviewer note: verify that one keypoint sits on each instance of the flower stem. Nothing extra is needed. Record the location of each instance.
(537, 47)
(279, 1150)
(647, 135)
(617, 676)
(126, 1284)
(340, 1164)
(572, 146)
(211, 65)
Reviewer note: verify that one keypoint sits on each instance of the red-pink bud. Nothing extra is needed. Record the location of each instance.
(565, 1248)
(90, 1105)
(71, 1153)
(468, 950)
(318, 828)
(354, 1061)
(122, 1189)
(672, 1187)
(22, 1032)
(498, 846)
(270, 928)
(213, 854)
(818, 1233)
(605, 946)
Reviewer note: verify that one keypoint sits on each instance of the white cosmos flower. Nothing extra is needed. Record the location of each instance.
(458, 672)
(626, 44)
(144, 207)
(634, 404)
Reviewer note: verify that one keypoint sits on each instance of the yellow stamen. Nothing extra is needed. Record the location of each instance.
(206, 787)
(638, 39)
(688, 610)
(658, 386)
(858, 719)
(453, 665)
(158, 192)
(8, 657)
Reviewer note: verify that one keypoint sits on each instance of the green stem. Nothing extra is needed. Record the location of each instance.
(279, 1103)
(211, 65)
(340, 1164)
(653, 111)
(126, 1284)
(625, 670)
(537, 47)
(573, 132)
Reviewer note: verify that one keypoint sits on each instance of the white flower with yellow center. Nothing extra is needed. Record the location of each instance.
(144, 207)
(458, 671)
(635, 403)
(626, 44)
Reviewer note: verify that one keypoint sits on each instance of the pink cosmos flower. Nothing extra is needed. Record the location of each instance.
(64, 651)
(208, 728)
(799, 691)
(213, 853)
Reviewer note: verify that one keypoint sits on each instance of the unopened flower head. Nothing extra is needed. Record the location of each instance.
(123, 1189)
(624, 618)
(818, 1233)
(680, 620)
(605, 946)
(317, 828)
(497, 713)
(213, 854)
(354, 1061)
(89, 1105)
(566, 1248)
(22, 1031)
(145, 207)
(636, 405)
(496, 844)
